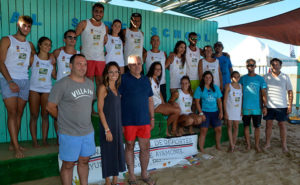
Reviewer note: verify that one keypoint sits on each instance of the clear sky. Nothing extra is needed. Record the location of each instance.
(231, 39)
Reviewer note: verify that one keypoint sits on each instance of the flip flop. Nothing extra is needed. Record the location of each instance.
(207, 156)
(132, 182)
(149, 181)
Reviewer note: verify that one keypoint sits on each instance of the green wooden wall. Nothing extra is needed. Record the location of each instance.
(53, 17)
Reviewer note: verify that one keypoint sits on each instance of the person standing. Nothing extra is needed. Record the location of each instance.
(279, 87)
(137, 116)
(111, 137)
(93, 36)
(192, 59)
(254, 92)
(16, 55)
(70, 101)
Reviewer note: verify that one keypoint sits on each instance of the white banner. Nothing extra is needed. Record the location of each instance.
(164, 152)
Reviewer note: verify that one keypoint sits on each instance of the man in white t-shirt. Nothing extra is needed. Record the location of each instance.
(279, 87)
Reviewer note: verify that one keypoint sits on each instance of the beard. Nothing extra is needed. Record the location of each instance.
(21, 33)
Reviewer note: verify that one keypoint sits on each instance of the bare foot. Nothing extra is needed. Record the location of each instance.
(35, 145)
(231, 149)
(19, 154)
(285, 150)
(218, 148)
(267, 146)
(191, 131)
(248, 148)
(257, 148)
(45, 144)
(180, 132)
(12, 148)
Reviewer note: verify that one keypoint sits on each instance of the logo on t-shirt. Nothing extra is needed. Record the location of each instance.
(82, 92)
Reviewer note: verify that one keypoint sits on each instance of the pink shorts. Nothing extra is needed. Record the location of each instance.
(95, 68)
(131, 132)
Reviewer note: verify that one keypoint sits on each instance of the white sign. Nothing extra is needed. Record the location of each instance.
(164, 152)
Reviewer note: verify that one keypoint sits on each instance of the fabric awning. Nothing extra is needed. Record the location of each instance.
(283, 28)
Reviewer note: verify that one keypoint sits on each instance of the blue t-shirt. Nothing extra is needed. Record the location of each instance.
(225, 65)
(135, 100)
(208, 98)
(251, 94)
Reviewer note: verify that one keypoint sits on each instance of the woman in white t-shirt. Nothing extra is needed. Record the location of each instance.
(171, 110)
(42, 69)
(114, 45)
(208, 63)
(184, 98)
(233, 108)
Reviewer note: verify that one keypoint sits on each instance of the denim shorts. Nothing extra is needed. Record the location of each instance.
(23, 86)
(73, 147)
(278, 114)
(212, 119)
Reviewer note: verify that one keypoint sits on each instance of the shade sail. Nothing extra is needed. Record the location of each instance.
(283, 28)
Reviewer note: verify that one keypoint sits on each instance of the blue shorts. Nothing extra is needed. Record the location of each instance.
(278, 114)
(212, 119)
(23, 86)
(256, 120)
(73, 147)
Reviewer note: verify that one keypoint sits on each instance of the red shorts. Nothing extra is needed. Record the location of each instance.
(131, 132)
(95, 68)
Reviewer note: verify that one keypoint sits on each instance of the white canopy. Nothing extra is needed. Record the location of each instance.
(259, 51)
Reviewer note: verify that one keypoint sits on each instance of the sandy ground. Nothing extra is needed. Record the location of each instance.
(238, 168)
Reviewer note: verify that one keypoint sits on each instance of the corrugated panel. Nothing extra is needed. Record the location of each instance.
(53, 17)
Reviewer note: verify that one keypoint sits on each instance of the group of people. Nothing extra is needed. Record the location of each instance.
(204, 91)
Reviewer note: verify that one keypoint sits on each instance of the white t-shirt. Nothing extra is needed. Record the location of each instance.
(277, 88)
(157, 57)
(92, 39)
(213, 67)
(185, 102)
(114, 49)
(192, 60)
(134, 43)
(156, 93)
(63, 64)
(177, 71)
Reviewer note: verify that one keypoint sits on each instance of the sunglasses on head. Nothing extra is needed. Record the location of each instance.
(250, 65)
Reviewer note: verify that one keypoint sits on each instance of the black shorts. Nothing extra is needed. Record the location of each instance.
(278, 114)
(256, 120)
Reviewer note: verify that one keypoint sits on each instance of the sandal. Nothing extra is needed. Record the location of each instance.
(132, 182)
(149, 181)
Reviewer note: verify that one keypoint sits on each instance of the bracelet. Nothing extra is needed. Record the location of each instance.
(201, 114)
(107, 131)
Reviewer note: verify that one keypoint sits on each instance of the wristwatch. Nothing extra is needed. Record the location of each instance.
(201, 114)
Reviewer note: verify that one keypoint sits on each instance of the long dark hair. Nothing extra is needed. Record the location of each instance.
(152, 69)
(202, 83)
(41, 40)
(188, 79)
(105, 74)
(176, 51)
(120, 33)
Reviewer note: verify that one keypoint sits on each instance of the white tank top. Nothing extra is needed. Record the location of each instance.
(192, 60)
(234, 103)
(134, 42)
(92, 39)
(40, 80)
(177, 71)
(157, 57)
(213, 67)
(62, 62)
(18, 58)
(156, 93)
(114, 49)
(185, 102)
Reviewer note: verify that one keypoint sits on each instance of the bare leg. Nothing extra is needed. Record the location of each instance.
(256, 137)
(282, 130)
(45, 118)
(218, 132)
(247, 137)
(173, 113)
(235, 131)
(66, 172)
(184, 121)
(115, 178)
(229, 132)
(269, 125)
(83, 170)
(129, 155)
(107, 181)
(34, 104)
(144, 157)
(202, 137)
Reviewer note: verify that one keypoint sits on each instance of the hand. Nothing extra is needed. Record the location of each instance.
(264, 111)
(203, 118)
(14, 87)
(289, 110)
(152, 123)
(109, 137)
(220, 115)
(172, 55)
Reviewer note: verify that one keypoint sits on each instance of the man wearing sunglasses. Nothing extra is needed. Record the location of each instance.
(279, 86)
(192, 59)
(254, 92)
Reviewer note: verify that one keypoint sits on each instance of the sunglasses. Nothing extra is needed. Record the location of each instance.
(250, 65)
(71, 38)
(194, 38)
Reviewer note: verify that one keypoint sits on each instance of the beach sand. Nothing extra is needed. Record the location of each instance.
(238, 168)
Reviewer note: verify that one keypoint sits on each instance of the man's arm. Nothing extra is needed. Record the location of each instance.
(264, 99)
(151, 111)
(290, 96)
(52, 109)
(80, 27)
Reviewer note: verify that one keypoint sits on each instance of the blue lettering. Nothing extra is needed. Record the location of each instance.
(199, 36)
(108, 23)
(187, 35)
(153, 31)
(177, 34)
(124, 25)
(14, 17)
(166, 32)
(206, 38)
(34, 20)
(75, 22)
